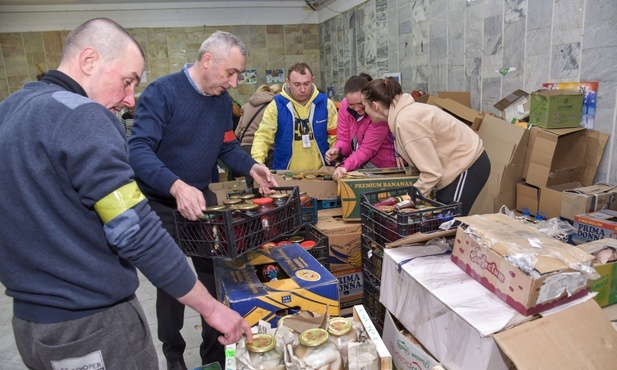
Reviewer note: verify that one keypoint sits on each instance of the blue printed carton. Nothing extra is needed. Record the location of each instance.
(594, 226)
(268, 284)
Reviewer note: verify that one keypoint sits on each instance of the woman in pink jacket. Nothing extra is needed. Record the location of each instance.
(360, 142)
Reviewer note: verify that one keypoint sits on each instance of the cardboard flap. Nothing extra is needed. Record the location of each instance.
(510, 99)
(596, 141)
(509, 237)
(579, 337)
(462, 97)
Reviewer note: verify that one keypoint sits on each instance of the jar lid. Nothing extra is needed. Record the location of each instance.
(247, 207)
(296, 239)
(261, 343)
(279, 196)
(308, 244)
(215, 208)
(339, 326)
(281, 323)
(313, 337)
(231, 202)
(262, 201)
(268, 245)
(284, 242)
(247, 196)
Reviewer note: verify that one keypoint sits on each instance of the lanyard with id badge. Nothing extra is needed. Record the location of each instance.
(304, 129)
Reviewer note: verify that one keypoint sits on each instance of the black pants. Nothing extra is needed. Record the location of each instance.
(466, 187)
(170, 312)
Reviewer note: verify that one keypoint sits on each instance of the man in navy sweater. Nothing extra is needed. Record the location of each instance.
(75, 225)
(182, 126)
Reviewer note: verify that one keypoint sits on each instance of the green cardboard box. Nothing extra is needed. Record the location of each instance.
(606, 285)
(556, 108)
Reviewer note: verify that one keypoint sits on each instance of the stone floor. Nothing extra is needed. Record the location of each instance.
(9, 356)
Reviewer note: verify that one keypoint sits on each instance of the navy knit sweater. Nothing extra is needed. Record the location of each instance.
(61, 153)
(178, 133)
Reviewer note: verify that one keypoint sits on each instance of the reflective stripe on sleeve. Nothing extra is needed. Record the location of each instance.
(118, 201)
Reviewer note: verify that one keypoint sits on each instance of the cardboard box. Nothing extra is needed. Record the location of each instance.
(359, 315)
(561, 156)
(317, 188)
(223, 189)
(486, 245)
(467, 327)
(506, 146)
(469, 116)
(352, 188)
(407, 352)
(344, 237)
(307, 284)
(514, 106)
(579, 200)
(546, 200)
(461, 97)
(606, 285)
(594, 226)
(350, 286)
(556, 108)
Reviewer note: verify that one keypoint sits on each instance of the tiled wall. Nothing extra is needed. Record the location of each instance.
(25, 55)
(461, 44)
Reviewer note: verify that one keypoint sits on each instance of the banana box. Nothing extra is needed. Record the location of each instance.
(268, 284)
(352, 188)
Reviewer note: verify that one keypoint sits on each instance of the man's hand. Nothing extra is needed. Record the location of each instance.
(222, 318)
(339, 172)
(332, 155)
(263, 178)
(190, 200)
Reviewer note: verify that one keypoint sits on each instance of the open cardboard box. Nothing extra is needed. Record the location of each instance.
(469, 116)
(506, 146)
(318, 187)
(491, 248)
(514, 106)
(579, 200)
(560, 156)
(465, 326)
(548, 200)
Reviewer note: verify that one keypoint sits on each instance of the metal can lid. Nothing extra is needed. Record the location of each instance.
(215, 208)
(247, 207)
(281, 323)
(283, 242)
(296, 239)
(247, 196)
(313, 337)
(279, 196)
(232, 201)
(339, 326)
(262, 201)
(261, 343)
(308, 244)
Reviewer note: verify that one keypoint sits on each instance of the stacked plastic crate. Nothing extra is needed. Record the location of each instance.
(380, 228)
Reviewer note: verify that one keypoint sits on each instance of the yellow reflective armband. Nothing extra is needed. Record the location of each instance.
(119, 201)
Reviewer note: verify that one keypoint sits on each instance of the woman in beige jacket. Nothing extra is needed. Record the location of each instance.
(449, 155)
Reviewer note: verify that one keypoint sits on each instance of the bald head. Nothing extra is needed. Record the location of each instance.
(106, 36)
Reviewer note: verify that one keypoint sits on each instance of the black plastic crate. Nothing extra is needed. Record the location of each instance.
(385, 227)
(230, 233)
(309, 211)
(375, 309)
(372, 257)
(309, 232)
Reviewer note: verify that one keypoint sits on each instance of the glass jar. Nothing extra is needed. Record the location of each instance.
(263, 352)
(247, 198)
(264, 205)
(305, 200)
(242, 234)
(341, 334)
(279, 199)
(281, 322)
(232, 203)
(214, 230)
(317, 351)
